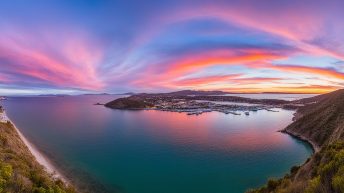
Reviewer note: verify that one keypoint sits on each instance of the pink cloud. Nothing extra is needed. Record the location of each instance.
(73, 66)
(191, 64)
(299, 25)
(204, 80)
(325, 72)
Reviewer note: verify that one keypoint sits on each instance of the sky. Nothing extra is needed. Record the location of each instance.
(247, 46)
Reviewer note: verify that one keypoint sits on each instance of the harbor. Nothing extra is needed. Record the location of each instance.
(193, 107)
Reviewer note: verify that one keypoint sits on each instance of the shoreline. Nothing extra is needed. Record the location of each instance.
(51, 169)
(314, 146)
(39, 157)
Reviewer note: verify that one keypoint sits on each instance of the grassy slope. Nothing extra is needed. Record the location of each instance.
(19, 171)
(323, 124)
(132, 102)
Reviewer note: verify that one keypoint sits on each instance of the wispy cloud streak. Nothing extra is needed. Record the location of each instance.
(168, 45)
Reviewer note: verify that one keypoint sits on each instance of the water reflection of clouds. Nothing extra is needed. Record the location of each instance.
(217, 131)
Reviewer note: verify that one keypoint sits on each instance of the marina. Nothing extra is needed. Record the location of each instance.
(194, 107)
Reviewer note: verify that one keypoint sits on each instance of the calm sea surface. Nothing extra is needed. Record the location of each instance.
(157, 152)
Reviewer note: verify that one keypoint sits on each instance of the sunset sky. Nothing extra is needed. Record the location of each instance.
(72, 47)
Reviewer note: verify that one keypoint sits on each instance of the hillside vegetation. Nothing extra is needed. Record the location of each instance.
(322, 123)
(132, 102)
(19, 171)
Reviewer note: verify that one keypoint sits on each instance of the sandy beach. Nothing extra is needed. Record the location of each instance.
(41, 159)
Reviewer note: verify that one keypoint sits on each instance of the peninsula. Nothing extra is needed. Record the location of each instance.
(198, 102)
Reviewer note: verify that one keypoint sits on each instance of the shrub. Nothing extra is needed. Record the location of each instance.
(272, 184)
(338, 183)
(294, 169)
(19, 172)
(6, 171)
(2, 184)
(338, 180)
(39, 190)
(313, 185)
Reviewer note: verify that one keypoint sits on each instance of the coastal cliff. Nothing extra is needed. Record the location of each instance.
(19, 169)
(320, 122)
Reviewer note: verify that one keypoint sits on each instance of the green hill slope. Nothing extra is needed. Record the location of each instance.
(322, 123)
(19, 171)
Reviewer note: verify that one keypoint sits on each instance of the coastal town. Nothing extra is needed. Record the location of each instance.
(197, 104)
(197, 107)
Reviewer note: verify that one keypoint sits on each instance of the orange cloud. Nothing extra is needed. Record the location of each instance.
(331, 73)
(192, 64)
(228, 79)
(254, 80)
(205, 80)
(253, 61)
(196, 63)
(307, 89)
